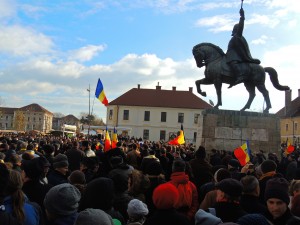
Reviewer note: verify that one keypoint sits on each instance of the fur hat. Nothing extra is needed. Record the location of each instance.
(93, 216)
(234, 163)
(60, 161)
(77, 177)
(205, 218)
(33, 168)
(268, 166)
(137, 208)
(62, 199)
(231, 187)
(277, 188)
(165, 196)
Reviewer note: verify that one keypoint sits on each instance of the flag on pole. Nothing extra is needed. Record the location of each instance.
(243, 153)
(114, 139)
(99, 93)
(179, 140)
(107, 142)
(289, 148)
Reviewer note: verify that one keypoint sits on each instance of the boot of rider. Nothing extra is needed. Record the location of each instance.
(238, 73)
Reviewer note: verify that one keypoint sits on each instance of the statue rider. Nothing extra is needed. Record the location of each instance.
(238, 51)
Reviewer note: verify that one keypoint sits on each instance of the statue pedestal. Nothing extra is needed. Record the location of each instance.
(228, 129)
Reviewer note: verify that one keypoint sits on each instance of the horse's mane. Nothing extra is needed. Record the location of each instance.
(219, 50)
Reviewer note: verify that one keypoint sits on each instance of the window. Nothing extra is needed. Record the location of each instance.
(146, 134)
(195, 137)
(296, 126)
(147, 116)
(180, 117)
(196, 117)
(110, 114)
(163, 117)
(126, 114)
(162, 135)
(286, 127)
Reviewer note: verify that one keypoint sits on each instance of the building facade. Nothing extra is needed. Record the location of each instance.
(32, 117)
(156, 114)
(58, 123)
(290, 119)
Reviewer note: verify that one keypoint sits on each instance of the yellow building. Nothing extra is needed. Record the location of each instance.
(290, 119)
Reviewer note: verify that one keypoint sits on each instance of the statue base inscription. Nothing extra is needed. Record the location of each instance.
(228, 129)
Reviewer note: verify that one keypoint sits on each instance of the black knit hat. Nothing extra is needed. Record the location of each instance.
(60, 161)
(230, 187)
(277, 188)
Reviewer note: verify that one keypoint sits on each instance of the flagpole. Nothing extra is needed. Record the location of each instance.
(89, 115)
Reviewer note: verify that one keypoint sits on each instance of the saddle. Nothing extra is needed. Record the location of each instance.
(227, 71)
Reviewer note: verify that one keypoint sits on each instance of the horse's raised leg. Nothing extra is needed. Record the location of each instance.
(265, 93)
(251, 89)
(199, 82)
(218, 87)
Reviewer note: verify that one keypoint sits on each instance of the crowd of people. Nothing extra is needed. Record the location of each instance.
(73, 181)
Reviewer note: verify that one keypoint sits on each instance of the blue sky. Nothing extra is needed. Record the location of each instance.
(51, 51)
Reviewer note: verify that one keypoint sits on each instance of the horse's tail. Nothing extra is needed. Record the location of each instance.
(274, 79)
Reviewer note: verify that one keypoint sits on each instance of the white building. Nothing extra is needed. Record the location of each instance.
(156, 114)
(32, 117)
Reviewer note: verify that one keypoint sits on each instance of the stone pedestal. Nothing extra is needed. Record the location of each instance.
(228, 129)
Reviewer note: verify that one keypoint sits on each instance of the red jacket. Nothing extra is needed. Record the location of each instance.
(188, 195)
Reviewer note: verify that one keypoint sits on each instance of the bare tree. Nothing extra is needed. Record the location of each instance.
(19, 121)
(58, 115)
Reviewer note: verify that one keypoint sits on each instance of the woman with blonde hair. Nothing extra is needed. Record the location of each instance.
(17, 204)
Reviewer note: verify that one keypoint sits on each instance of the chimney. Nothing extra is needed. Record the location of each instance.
(173, 88)
(139, 86)
(158, 87)
(288, 97)
(190, 89)
(288, 100)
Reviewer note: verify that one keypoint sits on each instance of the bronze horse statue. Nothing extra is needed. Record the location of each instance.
(217, 72)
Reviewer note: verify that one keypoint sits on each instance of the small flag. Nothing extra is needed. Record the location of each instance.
(179, 140)
(99, 93)
(243, 153)
(114, 139)
(289, 149)
(107, 142)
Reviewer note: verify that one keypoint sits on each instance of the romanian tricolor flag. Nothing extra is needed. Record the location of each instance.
(289, 149)
(243, 153)
(114, 139)
(107, 142)
(179, 140)
(99, 93)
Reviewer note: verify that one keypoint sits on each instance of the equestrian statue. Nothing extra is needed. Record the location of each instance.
(235, 67)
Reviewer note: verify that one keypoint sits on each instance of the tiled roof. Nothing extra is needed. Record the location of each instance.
(161, 98)
(70, 117)
(34, 108)
(6, 110)
(293, 110)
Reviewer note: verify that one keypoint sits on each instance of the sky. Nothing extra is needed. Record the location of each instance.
(51, 52)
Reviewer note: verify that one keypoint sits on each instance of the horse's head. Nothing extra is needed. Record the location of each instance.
(205, 53)
(199, 56)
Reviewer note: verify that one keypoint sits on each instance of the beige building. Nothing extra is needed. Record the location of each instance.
(290, 119)
(27, 118)
(157, 114)
(58, 123)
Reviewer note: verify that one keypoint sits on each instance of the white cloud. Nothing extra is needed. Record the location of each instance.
(7, 8)
(261, 40)
(217, 23)
(86, 53)
(21, 41)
